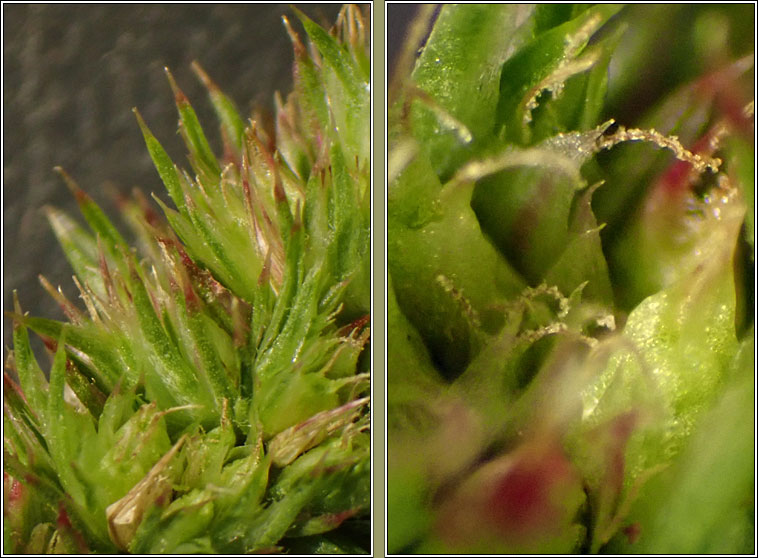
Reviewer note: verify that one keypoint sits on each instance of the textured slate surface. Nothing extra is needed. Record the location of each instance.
(71, 77)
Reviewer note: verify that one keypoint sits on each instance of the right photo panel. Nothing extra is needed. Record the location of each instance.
(571, 279)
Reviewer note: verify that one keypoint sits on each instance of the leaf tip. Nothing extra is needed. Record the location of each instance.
(16, 304)
(294, 37)
(179, 96)
(141, 122)
(204, 77)
(80, 195)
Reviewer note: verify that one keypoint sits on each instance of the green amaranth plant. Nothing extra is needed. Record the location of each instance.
(212, 397)
(571, 339)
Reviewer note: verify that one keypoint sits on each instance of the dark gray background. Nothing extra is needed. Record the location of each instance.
(72, 74)
(399, 17)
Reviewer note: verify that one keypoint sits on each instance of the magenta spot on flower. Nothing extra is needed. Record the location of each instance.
(526, 498)
(621, 429)
(632, 532)
(63, 521)
(13, 488)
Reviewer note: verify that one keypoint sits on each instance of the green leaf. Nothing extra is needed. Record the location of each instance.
(349, 248)
(79, 247)
(461, 61)
(502, 374)
(206, 454)
(85, 389)
(547, 16)
(172, 382)
(526, 208)
(334, 55)
(437, 267)
(97, 220)
(688, 509)
(232, 125)
(33, 381)
(579, 104)
(329, 478)
(92, 341)
(194, 241)
(122, 454)
(408, 515)
(672, 234)
(327, 544)
(347, 90)
(526, 212)
(163, 164)
(182, 528)
(740, 157)
(237, 510)
(409, 362)
(583, 259)
(309, 82)
(544, 64)
(668, 366)
(229, 270)
(206, 345)
(201, 154)
(68, 434)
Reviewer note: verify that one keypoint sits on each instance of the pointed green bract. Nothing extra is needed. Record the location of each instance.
(199, 149)
(454, 75)
(162, 163)
(232, 124)
(544, 65)
(684, 496)
(33, 381)
(347, 88)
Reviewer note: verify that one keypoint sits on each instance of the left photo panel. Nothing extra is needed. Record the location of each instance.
(202, 384)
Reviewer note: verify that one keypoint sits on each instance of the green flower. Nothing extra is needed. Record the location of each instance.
(570, 324)
(212, 394)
